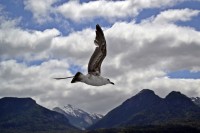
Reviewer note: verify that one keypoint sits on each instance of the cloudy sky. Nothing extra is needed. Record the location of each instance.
(151, 44)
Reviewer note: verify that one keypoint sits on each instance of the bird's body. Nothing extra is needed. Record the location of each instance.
(93, 80)
(94, 67)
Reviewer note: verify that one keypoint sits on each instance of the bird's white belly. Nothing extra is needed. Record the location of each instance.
(95, 81)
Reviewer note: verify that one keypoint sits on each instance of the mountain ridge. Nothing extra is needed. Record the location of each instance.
(25, 115)
(146, 108)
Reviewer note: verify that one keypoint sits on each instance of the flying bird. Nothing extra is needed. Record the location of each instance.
(94, 77)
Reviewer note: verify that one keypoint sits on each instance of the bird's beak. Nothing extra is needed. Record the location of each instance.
(112, 83)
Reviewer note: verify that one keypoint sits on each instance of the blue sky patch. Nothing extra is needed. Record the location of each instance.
(184, 74)
(195, 5)
(146, 13)
(35, 62)
(195, 23)
(75, 68)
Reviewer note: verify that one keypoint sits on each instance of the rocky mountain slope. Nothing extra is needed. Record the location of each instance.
(146, 108)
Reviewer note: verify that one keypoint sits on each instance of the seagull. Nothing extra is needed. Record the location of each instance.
(94, 77)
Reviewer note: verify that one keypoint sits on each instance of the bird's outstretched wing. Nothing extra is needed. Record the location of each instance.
(94, 66)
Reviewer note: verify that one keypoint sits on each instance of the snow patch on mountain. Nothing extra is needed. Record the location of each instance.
(196, 100)
(78, 117)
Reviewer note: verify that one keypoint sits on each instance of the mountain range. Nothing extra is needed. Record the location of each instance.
(141, 113)
(78, 117)
(22, 115)
(146, 108)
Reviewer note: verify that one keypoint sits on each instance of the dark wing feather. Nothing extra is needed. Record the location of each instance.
(94, 66)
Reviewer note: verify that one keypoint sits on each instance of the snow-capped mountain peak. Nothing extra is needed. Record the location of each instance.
(78, 117)
(73, 111)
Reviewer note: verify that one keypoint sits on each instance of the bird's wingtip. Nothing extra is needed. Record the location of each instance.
(98, 26)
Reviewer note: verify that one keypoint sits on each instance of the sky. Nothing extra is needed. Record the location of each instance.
(151, 44)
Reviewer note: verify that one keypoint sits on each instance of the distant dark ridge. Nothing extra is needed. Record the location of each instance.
(24, 115)
(18, 100)
(146, 108)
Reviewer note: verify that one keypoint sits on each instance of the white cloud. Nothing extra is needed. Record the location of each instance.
(90, 10)
(150, 45)
(18, 42)
(76, 11)
(35, 81)
(165, 85)
(77, 46)
(108, 9)
(41, 9)
(174, 15)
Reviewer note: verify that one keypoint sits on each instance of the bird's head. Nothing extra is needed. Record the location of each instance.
(109, 82)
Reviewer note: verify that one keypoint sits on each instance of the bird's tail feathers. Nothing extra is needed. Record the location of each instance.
(64, 78)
